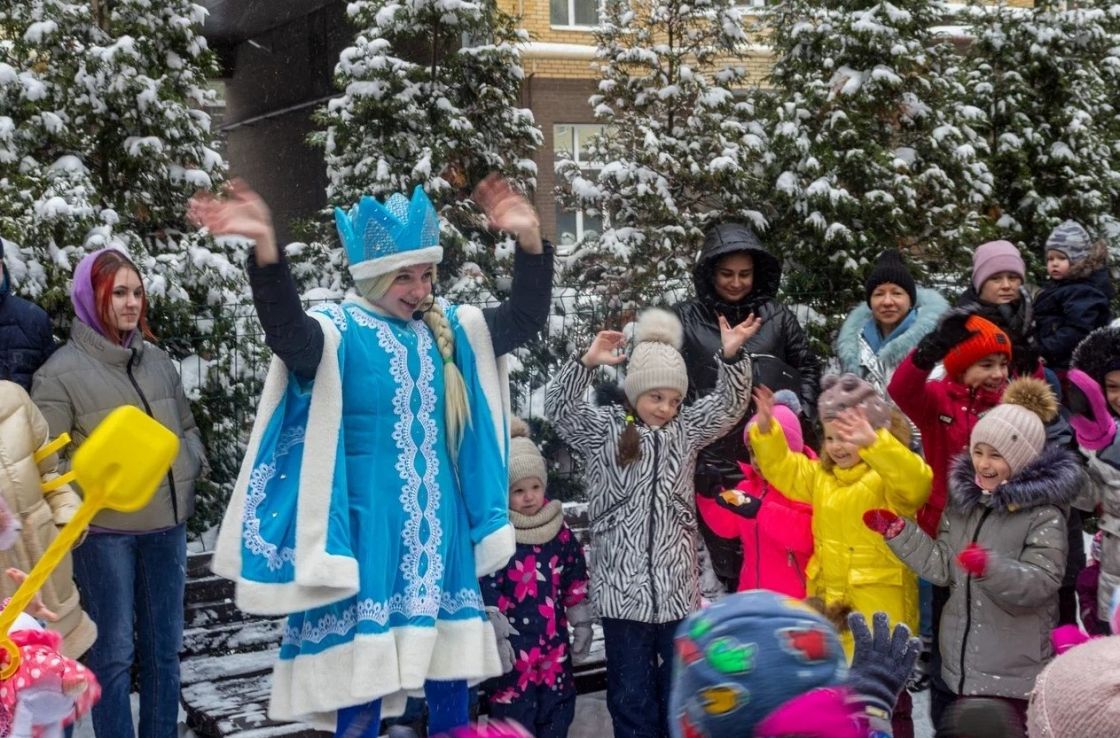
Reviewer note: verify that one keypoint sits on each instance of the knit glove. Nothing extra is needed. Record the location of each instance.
(1092, 424)
(884, 522)
(974, 559)
(503, 629)
(936, 344)
(882, 661)
(580, 617)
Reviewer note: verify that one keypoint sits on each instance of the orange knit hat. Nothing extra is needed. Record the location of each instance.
(986, 339)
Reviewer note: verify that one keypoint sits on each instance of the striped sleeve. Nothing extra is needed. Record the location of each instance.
(582, 425)
(715, 414)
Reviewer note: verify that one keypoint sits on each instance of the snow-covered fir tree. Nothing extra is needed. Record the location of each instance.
(119, 89)
(872, 144)
(679, 147)
(1049, 81)
(430, 97)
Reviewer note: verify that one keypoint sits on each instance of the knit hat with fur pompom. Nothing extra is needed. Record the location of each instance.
(525, 459)
(1014, 428)
(656, 361)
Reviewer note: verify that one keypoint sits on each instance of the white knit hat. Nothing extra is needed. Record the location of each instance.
(525, 459)
(656, 361)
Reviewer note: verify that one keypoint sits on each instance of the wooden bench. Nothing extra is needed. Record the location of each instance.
(227, 657)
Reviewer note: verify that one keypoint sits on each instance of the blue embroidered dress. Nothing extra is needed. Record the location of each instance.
(350, 516)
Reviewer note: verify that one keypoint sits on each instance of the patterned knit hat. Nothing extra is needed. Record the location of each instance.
(843, 391)
(994, 257)
(986, 339)
(1014, 428)
(1070, 239)
(656, 361)
(889, 268)
(742, 657)
(525, 459)
(1078, 694)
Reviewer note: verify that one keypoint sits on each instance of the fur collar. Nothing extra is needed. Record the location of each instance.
(1095, 260)
(540, 528)
(1054, 478)
(930, 306)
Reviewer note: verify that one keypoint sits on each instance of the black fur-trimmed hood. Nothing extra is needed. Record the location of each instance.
(1098, 353)
(1054, 478)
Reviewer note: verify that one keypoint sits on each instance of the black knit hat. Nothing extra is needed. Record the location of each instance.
(889, 268)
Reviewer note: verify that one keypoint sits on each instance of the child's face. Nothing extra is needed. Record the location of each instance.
(991, 468)
(526, 496)
(1112, 390)
(1001, 288)
(989, 373)
(658, 406)
(843, 454)
(1057, 264)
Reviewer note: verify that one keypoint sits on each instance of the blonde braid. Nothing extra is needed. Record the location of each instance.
(457, 411)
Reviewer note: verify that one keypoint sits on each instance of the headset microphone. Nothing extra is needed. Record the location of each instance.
(417, 314)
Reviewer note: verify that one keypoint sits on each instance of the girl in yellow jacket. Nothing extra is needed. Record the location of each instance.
(864, 464)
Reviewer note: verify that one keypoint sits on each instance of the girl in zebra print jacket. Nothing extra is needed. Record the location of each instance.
(640, 459)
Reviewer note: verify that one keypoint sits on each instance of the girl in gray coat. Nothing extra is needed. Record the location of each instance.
(1001, 548)
(131, 569)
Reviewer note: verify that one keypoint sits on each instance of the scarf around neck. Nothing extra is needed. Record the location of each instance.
(541, 528)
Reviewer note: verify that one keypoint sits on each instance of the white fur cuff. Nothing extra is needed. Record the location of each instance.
(494, 551)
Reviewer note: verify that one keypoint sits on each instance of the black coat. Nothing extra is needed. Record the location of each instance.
(1068, 310)
(780, 336)
(1016, 319)
(25, 335)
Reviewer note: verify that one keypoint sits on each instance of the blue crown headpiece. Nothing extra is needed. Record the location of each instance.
(383, 238)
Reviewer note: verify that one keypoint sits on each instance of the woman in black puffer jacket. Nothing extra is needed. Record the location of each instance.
(734, 277)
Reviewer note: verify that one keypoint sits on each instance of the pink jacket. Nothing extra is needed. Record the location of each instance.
(777, 543)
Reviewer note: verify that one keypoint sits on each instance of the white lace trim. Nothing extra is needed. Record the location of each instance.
(372, 611)
(420, 587)
(275, 556)
(334, 312)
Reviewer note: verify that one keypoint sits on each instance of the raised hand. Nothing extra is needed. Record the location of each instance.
(733, 338)
(763, 407)
(238, 212)
(510, 211)
(883, 659)
(602, 350)
(35, 608)
(853, 427)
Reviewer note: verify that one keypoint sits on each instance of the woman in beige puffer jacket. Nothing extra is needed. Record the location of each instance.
(23, 431)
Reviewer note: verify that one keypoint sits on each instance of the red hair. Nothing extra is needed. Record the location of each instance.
(102, 277)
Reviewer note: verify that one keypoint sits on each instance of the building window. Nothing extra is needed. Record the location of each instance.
(570, 141)
(583, 13)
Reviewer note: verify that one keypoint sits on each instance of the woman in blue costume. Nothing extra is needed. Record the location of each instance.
(374, 489)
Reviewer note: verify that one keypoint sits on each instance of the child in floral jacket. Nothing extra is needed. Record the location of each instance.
(540, 593)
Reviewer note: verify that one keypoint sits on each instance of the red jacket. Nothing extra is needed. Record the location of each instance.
(944, 412)
(777, 543)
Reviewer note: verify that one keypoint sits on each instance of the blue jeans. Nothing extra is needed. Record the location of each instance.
(639, 671)
(132, 588)
(448, 708)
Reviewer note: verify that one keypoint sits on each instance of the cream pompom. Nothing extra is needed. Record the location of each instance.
(660, 326)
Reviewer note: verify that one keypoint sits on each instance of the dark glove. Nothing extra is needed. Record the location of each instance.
(709, 482)
(739, 502)
(936, 344)
(1091, 421)
(882, 661)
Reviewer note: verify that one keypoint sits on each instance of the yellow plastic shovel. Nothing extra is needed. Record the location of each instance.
(119, 467)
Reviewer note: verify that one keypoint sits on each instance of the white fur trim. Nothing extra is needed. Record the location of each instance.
(320, 577)
(371, 268)
(386, 666)
(494, 551)
(492, 372)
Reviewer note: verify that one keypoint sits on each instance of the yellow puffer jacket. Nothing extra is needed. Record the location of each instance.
(851, 564)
